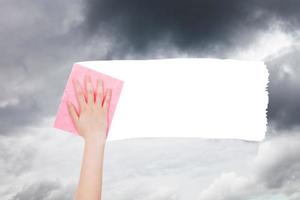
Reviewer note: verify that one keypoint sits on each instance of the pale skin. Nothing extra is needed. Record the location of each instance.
(91, 123)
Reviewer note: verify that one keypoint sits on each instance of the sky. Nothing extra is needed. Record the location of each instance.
(42, 39)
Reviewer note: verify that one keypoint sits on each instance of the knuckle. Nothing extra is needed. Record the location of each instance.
(90, 91)
(99, 90)
(84, 107)
(104, 104)
(81, 97)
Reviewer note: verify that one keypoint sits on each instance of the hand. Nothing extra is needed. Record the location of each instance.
(93, 119)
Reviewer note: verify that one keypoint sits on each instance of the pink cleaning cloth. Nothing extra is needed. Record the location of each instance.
(63, 120)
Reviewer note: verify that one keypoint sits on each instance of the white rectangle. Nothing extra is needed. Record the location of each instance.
(188, 97)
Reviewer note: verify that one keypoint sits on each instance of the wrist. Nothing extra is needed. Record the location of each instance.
(95, 141)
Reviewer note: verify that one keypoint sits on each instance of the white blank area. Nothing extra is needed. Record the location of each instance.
(188, 97)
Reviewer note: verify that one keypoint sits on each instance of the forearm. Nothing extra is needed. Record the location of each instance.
(90, 183)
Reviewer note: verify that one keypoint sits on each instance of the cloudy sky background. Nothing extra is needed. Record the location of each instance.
(42, 39)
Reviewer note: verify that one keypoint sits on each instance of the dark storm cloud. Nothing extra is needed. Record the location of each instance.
(284, 89)
(41, 40)
(197, 27)
(205, 28)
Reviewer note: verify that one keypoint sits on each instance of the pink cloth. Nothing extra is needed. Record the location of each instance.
(63, 120)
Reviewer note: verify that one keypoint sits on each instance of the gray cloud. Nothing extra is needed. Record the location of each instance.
(46, 190)
(39, 41)
(199, 28)
(284, 89)
(16, 157)
(37, 191)
(278, 162)
(39, 165)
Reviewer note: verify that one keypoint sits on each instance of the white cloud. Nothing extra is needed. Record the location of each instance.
(276, 174)
(156, 168)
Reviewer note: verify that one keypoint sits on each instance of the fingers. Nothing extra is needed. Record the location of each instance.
(72, 112)
(79, 94)
(99, 93)
(107, 99)
(90, 94)
(90, 90)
